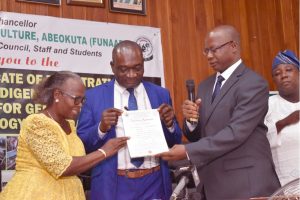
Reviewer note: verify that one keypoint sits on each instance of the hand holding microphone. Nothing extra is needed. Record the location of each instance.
(190, 107)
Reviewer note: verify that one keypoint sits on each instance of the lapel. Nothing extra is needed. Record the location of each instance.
(152, 95)
(109, 94)
(233, 79)
(208, 95)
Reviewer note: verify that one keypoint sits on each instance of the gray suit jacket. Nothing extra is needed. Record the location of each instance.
(230, 146)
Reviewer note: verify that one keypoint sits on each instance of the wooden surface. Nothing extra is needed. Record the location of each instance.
(266, 27)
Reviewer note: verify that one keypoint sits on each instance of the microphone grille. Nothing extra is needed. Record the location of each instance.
(190, 83)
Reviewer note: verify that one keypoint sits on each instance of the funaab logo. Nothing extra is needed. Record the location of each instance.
(147, 48)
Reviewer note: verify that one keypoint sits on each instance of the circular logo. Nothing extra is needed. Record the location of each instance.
(147, 48)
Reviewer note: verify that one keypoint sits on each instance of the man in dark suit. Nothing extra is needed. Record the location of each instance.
(229, 143)
(120, 177)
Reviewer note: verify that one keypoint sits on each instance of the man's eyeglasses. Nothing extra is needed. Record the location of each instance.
(214, 50)
(77, 99)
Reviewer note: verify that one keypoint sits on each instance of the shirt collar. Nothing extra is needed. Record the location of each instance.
(121, 89)
(227, 73)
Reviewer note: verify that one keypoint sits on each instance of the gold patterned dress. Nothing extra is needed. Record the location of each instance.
(44, 152)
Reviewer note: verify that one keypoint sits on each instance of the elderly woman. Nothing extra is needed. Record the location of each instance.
(50, 154)
(282, 118)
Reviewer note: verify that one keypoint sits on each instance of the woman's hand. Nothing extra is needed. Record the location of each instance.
(113, 145)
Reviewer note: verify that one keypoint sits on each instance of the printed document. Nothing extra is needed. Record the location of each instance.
(145, 131)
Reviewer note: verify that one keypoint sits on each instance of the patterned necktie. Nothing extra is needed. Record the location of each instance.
(217, 87)
(132, 105)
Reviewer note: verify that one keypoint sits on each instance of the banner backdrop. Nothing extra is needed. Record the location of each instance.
(33, 47)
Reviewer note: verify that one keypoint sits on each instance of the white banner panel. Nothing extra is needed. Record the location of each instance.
(49, 43)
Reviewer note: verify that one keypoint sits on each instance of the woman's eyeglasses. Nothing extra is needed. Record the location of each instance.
(77, 99)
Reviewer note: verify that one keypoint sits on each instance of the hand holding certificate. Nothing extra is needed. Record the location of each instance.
(145, 132)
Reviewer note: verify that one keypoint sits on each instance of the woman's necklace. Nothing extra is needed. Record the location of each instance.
(50, 116)
(65, 129)
(60, 124)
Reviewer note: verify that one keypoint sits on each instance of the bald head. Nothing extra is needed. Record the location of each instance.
(126, 47)
(227, 31)
(222, 47)
(128, 64)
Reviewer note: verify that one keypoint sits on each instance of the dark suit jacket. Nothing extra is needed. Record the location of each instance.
(230, 144)
(104, 175)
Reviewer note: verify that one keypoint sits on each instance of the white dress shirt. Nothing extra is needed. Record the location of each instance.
(121, 96)
(226, 74)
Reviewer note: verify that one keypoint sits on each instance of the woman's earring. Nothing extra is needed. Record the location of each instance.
(56, 100)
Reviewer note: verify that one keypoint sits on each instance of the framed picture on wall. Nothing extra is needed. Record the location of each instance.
(128, 6)
(93, 3)
(50, 2)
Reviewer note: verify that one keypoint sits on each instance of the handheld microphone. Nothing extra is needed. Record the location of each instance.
(190, 86)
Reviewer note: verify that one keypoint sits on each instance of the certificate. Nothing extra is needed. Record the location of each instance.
(145, 132)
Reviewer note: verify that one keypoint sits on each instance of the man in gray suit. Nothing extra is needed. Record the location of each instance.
(229, 143)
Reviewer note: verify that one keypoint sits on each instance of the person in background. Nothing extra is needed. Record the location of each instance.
(229, 143)
(50, 154)
(282, 118)
(121, 177)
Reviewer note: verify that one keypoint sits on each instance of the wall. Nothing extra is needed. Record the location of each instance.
(266, 27)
